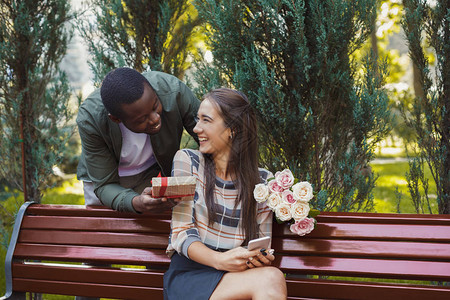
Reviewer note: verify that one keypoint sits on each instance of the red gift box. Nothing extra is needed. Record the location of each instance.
(174, 187)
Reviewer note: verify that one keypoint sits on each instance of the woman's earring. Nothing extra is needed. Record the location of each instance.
(231, 136)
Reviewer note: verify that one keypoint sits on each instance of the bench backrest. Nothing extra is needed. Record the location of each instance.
(57, 232)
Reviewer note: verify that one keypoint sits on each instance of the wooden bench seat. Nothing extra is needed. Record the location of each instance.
(51, 245)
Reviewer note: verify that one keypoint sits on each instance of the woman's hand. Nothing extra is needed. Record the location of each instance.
(263, 258)
(234, 260)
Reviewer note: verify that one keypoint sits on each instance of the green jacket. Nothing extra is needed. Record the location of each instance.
(101, 138)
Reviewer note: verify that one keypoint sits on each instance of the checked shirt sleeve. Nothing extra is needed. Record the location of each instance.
(183, 229)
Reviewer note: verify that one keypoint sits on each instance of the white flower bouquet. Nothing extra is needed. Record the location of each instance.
(289, 200)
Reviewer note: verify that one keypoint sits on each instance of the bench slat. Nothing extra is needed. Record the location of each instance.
(91, 254)
(96, 224)
(94, 210)
(383, 218)
(89, 274)
(88, 290)
(434, 233)
(351, 290)
(358, 248)
(372, 268)
(324, 217)
(133, 240)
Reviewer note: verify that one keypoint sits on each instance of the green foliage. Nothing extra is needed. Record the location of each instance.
(430, 116)
(400, 128)
(384, 42)
(416, 180)
(187, 141)
(386, 24)
(156, 35)
(35, 95)
(320, 113)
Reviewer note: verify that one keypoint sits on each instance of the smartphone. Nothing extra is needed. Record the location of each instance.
(263, 242)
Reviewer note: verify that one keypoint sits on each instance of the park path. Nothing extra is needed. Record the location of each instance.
(382, 161)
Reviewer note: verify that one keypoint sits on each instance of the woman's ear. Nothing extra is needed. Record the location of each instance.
(232, 134)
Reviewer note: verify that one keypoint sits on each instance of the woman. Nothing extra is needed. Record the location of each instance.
(208, 260)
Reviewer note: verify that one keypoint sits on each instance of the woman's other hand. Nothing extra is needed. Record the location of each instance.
(263, 258)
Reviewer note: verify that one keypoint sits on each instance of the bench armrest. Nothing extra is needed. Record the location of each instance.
(12, 247)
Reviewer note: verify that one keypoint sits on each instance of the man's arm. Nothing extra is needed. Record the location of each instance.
(101, 164)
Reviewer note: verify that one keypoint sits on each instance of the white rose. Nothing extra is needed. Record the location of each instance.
(283, 212)
(274, 187)
(288, 196)
(299, 210)
(285, 179)
(303, 191)
(261, 192)
(274, 200)
(303, 227)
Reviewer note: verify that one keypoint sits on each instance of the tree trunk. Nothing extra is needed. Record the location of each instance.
(444, 205)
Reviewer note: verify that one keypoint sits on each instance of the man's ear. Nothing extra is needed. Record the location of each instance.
(114, 119)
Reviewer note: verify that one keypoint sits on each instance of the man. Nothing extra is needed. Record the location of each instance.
(130, 130)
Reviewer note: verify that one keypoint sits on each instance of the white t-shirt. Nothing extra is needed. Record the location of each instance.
(136, 155)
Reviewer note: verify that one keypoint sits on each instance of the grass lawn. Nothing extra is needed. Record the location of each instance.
(392, 176)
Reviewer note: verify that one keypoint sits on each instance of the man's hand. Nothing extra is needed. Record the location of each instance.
(146, 203)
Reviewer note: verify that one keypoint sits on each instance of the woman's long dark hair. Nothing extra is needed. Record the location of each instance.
(234, 107)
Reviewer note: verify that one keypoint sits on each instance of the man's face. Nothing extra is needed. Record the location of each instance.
(144, 115)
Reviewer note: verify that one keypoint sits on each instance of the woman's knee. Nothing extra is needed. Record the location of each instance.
(273, 273)
(274, 281)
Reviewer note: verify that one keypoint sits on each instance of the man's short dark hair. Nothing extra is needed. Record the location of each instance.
(121, 86)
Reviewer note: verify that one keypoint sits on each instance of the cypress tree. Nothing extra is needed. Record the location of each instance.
(34, 94)
(430, 115)
(151, 34)
(320, 111)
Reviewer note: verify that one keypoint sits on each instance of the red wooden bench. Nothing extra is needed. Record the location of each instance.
(50, 243)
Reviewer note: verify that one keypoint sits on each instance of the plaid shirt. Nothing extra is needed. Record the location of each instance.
(190, 218)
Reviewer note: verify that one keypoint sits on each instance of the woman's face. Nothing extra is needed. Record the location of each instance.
(213, 135)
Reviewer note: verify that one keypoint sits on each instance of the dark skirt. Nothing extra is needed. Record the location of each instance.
(187, 279)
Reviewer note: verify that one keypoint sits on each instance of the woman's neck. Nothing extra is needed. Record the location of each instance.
(221, 167)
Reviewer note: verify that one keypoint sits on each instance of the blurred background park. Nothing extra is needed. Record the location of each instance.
(352, 96)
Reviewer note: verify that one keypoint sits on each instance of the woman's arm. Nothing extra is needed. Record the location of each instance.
(183, 229)
(232, 260)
